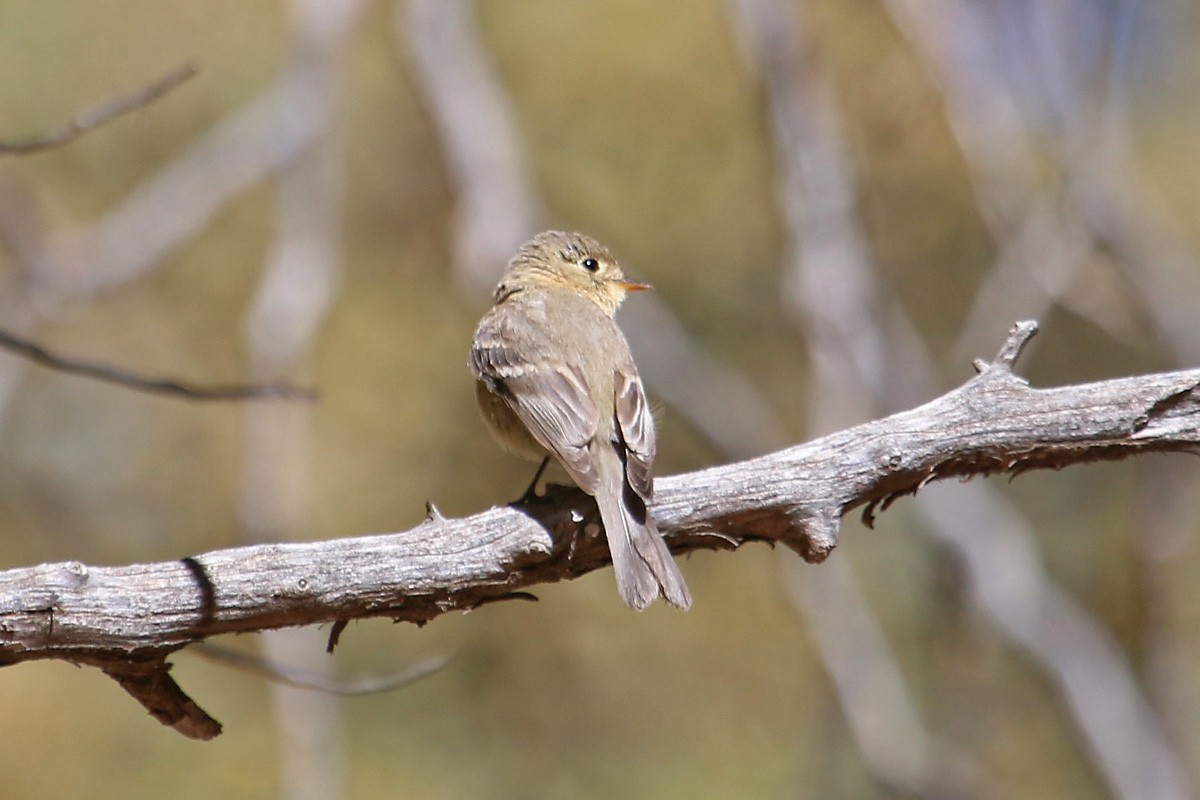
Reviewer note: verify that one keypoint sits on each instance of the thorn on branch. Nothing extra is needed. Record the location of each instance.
(868, 513)
(93, 118)
(432, 513)
(335, 634)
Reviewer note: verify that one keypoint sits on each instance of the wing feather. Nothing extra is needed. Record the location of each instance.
(550, 399)
(637, 429)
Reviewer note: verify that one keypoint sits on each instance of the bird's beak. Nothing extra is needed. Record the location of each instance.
(634, 286)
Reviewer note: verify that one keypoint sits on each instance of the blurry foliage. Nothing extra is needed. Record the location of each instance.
(645, 127)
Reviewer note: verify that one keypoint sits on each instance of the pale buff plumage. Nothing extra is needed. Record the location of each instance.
(554, 376)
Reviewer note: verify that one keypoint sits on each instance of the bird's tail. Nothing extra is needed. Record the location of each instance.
(644, 566)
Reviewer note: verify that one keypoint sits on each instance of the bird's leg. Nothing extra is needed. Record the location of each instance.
(530, 494)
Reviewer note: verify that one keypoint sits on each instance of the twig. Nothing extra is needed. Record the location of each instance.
(164, 386)
(109, 617)
(93, 118)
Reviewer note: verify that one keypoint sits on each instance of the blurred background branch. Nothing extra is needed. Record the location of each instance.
(301, 277)
(93, 118)
(165, 386)
(830, 286)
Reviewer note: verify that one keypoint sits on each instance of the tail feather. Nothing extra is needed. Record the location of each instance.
(655, 554)
(641, 560)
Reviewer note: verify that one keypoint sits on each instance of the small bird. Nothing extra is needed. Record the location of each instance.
(554, 377)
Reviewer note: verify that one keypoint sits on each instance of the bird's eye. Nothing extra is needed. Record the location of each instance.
(590, 264)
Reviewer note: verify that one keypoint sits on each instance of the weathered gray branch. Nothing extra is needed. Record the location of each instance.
(127, 620)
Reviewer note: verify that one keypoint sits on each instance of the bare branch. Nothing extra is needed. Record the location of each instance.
(111, 616)
(150, 683)
(164, 386)
(93, 118)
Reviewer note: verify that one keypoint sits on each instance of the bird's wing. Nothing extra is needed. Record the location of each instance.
(550, 398)
(637, 429)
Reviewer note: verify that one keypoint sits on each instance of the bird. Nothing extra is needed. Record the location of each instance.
(554, 377)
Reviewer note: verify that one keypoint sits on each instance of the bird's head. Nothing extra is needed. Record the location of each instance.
(554, 259)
